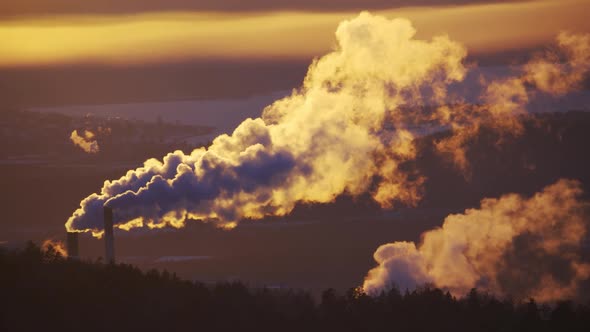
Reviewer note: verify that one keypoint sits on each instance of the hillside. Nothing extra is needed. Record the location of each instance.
(42, 291)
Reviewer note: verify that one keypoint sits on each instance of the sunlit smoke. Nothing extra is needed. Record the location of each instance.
(513, 245)
(57, 246)
(503, 102)
(87, 142)
(552, 76)
(348, 129)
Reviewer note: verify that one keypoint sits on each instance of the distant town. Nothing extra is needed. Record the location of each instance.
(44, 138)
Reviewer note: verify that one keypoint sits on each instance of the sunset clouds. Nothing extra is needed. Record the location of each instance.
(56, 7)
(164, 36)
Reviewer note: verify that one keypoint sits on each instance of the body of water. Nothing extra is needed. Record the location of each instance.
(226, 114)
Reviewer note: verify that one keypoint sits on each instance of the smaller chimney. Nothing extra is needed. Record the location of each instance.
(72, 245)
(109, 240)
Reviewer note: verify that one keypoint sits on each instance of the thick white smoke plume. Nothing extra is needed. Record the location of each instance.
(347, 129)
(87, 142)
(523, 247)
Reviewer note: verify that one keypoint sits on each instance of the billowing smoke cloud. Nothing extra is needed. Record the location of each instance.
(525, 247)
(347, 129)
(551, 76)
(57, 246)
(87, 142)
(555, 72)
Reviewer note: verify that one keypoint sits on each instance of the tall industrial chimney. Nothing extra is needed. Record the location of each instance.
(72, 245)
(109, 239)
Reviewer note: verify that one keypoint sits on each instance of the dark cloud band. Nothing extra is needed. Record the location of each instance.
(57, 7)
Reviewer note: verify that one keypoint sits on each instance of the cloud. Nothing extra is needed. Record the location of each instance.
(86, 142)
(169, 37)
(39, 7)
(512, 245)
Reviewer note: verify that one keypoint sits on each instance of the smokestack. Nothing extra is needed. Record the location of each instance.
(72, 245)
(109, 239)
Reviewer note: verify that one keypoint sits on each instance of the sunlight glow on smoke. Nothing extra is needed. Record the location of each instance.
(513, 245)
(86, 142)
(346, 130)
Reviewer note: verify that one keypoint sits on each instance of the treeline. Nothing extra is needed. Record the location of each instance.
(40, 290)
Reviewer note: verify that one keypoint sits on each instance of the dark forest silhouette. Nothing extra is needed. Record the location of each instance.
(42, 290)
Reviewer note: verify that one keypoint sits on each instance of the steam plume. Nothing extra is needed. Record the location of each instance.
(525, 247)
(556, 78)
(347, 129)
(555, 72)
(85, 142)
(57, 246)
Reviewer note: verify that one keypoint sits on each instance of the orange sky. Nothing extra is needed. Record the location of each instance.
(166, 37)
